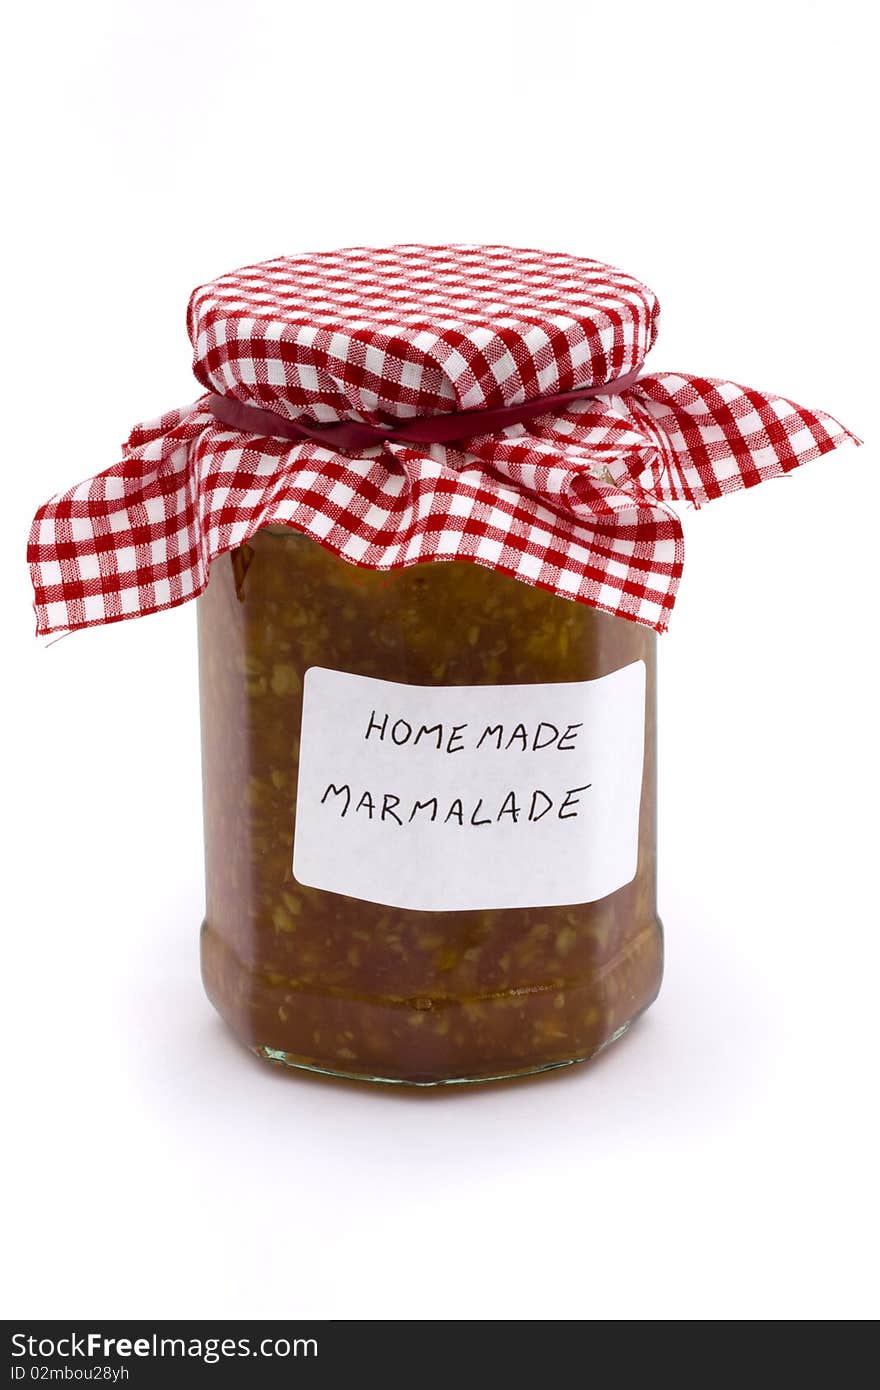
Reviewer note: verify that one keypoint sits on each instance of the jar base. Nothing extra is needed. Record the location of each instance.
(287, 1059)
(273, 1021)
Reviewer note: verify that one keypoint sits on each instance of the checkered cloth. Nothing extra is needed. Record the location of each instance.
(574, 501)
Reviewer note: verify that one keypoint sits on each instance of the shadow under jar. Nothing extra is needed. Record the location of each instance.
(332, 982)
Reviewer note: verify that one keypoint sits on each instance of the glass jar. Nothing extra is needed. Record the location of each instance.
(451, 986)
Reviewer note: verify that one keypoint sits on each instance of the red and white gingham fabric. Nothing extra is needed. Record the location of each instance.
(574, 501)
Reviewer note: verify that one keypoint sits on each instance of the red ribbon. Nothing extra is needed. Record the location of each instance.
(422, 429)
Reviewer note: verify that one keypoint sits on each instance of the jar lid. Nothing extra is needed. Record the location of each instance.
(413, 330)
(413, 404)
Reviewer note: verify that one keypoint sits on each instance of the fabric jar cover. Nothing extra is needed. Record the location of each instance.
(575, 500)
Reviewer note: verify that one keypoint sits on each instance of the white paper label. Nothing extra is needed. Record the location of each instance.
(445, 798)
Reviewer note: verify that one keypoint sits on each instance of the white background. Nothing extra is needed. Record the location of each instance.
(718, 1163)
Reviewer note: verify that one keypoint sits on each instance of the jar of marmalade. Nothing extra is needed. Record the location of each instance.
(425, 506)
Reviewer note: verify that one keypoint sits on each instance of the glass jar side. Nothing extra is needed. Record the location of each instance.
(336, 984)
